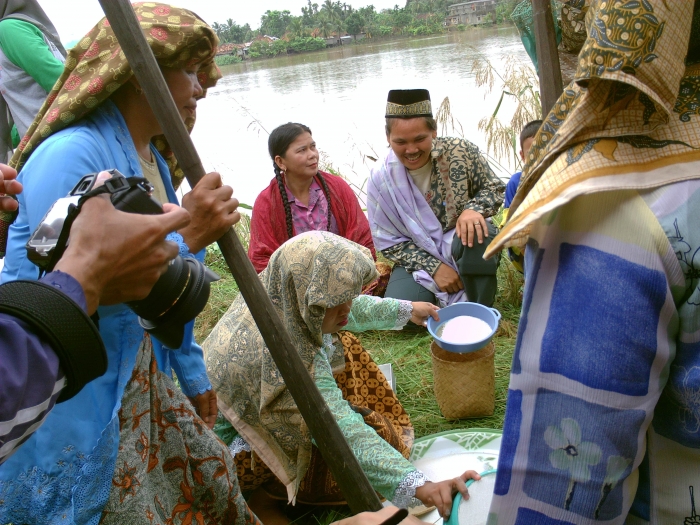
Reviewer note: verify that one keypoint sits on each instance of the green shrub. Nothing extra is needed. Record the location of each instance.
(227, 60)
(461, 27)
(308, 43)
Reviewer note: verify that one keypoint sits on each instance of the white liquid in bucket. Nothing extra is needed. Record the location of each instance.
(463, 330)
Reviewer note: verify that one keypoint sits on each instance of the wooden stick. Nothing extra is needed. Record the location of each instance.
(547, 54)
(342, 462)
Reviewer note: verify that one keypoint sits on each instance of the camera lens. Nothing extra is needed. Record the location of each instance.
(178, 297)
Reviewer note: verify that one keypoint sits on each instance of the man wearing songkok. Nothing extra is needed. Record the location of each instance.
(428, 202)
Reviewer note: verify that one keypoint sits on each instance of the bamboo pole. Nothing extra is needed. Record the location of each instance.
(547, 54)
(343, 464)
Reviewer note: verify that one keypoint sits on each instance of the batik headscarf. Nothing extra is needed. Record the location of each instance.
(306, 275)
(629, 120)
(96, 67)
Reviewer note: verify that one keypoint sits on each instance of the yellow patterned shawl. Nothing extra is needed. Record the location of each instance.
(629, 118)
(96, 67)
(306, 275)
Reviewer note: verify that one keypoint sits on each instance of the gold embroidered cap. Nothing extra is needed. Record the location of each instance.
(408, 103)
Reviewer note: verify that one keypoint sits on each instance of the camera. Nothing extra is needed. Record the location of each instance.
(177, 297)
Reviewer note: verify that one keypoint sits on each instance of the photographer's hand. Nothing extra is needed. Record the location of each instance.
(117, 256)
(213, 212)
(8, 186)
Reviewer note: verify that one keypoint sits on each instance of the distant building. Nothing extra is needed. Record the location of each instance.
(470, 13)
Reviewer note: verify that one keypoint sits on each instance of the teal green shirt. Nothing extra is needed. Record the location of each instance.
(24, 45)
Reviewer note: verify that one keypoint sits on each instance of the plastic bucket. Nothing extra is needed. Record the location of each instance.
(490, 316)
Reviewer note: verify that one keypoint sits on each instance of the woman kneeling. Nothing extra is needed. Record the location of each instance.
(314, 281)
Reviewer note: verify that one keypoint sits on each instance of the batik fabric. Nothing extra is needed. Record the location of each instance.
(171, 469)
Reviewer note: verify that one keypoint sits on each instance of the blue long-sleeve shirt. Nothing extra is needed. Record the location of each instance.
(65, 468)
(30, 373)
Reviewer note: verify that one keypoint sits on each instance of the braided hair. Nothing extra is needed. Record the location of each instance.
(278, 144)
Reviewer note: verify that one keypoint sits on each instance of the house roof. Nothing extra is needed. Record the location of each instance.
(467, 3)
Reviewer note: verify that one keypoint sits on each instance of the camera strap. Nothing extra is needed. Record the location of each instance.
(63, 324)
(110, 187)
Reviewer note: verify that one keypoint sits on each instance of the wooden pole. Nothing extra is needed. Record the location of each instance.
(547, 54)
(342, 462)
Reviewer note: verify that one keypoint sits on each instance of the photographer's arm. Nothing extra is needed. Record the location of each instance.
(30, 372)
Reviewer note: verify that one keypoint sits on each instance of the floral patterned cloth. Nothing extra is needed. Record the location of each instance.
(171, 469)
(602, 407)
(461, 180)
(603, 419)
(96, 67)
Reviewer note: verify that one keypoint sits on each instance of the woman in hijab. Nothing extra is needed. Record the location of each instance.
(129, 448)
(314, 281)
(31, 59)
(603, 413)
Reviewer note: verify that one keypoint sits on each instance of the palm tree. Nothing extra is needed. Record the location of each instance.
(296, 27)
(325, 26)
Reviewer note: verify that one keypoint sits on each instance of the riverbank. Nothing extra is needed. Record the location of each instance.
(262, 50)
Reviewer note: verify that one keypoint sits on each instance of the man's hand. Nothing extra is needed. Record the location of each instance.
(117, 256)
(470, 225)
(8, 186)
(440, 494)
(421, 312)
(213, 212)
(447, 279)
(205, 405)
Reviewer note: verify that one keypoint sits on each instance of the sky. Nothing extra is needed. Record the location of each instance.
(74, 18)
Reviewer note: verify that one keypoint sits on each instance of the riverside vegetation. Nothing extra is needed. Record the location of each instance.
(309, 31)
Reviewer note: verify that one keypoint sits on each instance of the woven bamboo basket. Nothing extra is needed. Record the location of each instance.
(464, 383)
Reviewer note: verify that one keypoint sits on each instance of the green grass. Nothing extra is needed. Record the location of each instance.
(408, 352)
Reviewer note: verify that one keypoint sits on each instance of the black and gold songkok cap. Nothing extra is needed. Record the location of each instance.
(408, 103)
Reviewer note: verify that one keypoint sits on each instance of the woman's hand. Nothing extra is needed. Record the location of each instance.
(440, 494)
(213, 212)
(421, 312)
(205, 406)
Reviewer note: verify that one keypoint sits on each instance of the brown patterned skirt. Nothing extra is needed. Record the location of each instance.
(171, 469)
(369, 393)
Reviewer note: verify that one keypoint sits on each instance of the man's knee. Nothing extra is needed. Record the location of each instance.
(403, 286)
(470, 261)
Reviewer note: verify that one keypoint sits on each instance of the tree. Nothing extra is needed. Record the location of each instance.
(325, 27)
(274, 23)
(355, 24)
(296, 27)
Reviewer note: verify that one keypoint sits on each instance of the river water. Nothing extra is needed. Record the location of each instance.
(340, 94)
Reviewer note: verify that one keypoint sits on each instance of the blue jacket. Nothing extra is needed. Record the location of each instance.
(63, 473)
